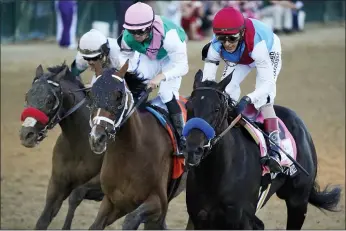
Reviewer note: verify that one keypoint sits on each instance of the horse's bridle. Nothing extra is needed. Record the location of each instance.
(56, 118)
(224, 100)
(127, 111)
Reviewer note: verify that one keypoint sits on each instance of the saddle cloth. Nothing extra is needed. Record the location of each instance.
(159, 110)
(287, 143)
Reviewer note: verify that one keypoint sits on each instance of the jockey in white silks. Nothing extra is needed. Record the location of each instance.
(162, 48)
(245, 44)
(97, 51)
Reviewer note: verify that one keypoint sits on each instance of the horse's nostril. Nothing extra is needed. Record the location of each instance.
(102, 138)
(199, 150)
(30, 135)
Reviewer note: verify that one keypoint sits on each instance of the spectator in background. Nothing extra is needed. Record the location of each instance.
(250, 9)
(298, 16)
(210, 9)
(281, 12)
(169, 9)
(173, 12)
(192, 14)
(66, 18)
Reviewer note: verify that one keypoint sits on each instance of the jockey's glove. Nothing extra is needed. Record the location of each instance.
(242, 104)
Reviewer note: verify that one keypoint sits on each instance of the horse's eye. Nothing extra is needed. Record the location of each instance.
(217, 109)
(50, 100)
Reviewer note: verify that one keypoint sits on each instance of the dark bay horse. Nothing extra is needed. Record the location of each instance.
(223, 184)
(138, 164)
(56, 97)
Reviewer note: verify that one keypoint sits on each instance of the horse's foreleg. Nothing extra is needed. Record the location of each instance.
(91, 191)
(150, 211)
(106, 215)
(56, 194)
(157, 225)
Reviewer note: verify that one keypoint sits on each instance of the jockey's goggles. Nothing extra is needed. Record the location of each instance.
(232, 38)
(139, 31)
(92, 58)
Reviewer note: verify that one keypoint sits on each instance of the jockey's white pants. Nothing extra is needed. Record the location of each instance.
(148, 69)
(151, 68)
(241, 71)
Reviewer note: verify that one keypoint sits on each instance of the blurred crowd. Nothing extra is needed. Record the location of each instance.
(194, 16)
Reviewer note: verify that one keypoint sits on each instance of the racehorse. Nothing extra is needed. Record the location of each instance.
(138, 170)
(225, 173)
(56, 97)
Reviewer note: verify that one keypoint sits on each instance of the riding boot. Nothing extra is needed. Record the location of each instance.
(178, 123)
(271, 127)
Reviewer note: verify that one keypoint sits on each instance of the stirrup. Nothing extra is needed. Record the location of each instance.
(274, 165)
(180, 152)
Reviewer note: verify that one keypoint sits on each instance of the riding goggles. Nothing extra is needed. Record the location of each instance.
(230, 38)
(139, 31)
(92, 58)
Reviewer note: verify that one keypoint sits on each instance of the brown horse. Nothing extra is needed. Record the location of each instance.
(138, 165)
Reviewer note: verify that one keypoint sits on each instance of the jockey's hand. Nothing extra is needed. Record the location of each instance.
(242, 104)
(155, 82)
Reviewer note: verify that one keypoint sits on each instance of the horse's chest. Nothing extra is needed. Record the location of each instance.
(123, 200)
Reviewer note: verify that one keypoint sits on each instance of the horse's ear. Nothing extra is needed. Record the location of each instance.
(223, 84)
(39, 71)
(123, 69)
(61, 74)
(198, 78)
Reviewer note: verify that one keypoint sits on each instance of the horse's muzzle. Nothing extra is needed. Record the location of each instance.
(28, 136)
(98, 142)
(194, 155)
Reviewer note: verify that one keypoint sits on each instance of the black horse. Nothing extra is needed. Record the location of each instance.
(223, 184)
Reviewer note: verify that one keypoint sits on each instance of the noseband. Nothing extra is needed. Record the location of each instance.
(57, 118)
(213, 140)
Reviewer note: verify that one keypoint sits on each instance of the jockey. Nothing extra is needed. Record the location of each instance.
(163, 52)
(244, 44)
(97, 52)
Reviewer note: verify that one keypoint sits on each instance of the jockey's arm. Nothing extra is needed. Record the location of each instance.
(177, 53)
(211, 60)
(123, 53)
(265, 82)
(79, 65)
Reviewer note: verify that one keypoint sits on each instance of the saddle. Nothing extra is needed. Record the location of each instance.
(287, 143)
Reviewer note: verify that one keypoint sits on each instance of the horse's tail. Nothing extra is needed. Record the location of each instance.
(326, 199)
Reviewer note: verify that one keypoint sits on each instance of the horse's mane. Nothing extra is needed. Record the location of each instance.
(135, 83)
(54, 70)
(133, 80)
(58, 68)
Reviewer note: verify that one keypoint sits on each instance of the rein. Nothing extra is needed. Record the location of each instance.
(115, 129)
(213, 141)
(57, 118)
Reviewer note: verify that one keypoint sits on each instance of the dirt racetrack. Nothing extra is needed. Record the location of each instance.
(311, 82)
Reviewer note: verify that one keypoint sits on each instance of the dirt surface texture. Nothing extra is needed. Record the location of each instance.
(311, 82)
